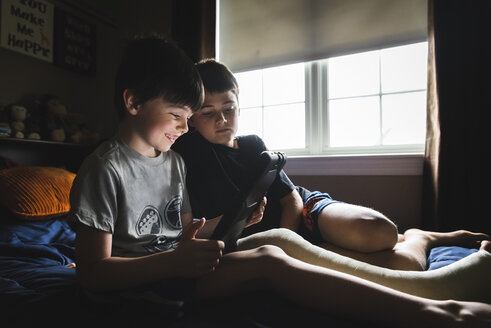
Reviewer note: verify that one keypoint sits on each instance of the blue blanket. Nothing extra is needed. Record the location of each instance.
(33, 259)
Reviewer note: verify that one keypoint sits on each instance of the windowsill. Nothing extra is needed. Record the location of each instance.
(355, 165)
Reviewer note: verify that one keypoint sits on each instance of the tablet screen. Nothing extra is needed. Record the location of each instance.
(234, 220)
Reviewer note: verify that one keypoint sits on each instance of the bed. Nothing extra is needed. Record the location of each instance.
(37, 276)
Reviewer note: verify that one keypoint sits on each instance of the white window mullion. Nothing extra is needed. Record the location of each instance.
(324, 102)
(309, 111)
(314, 107)
(381, 130)
(217, 30)
(262, 106)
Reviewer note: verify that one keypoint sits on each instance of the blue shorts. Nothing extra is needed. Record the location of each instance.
(314, 203)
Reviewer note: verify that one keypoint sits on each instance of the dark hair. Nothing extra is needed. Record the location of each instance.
(152, 68)
(217, 77)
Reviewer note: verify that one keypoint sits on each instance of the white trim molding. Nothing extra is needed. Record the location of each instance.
(355, 165)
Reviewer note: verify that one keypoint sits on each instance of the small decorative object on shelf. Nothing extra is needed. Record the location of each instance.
(5, 130)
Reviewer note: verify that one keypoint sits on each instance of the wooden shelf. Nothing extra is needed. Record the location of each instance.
(13, 141)
(44, 153)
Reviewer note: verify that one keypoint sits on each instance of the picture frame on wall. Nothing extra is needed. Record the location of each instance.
(75, 46)
(27, 27)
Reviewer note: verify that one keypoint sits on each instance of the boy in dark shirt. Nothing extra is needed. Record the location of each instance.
(220, 165)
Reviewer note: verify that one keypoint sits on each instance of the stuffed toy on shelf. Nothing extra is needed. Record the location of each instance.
(18, 115)
(49, 118)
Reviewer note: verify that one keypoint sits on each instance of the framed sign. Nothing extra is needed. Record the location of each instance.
(27, 27)
(75, 47)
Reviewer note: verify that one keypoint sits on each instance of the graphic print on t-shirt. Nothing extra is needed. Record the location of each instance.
(172, 212)
(149, 222)
(162, 243)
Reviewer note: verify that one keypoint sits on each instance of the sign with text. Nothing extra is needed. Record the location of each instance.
(27, 27)
(75, 47)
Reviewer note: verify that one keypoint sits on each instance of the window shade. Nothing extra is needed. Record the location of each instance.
(262, 33)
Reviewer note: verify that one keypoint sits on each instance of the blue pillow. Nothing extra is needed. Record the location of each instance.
(445, 255)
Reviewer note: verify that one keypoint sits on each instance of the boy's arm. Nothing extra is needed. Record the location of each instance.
(98, 270)
(291, 214)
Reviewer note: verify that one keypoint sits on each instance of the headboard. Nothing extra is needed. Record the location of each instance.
(44, 153)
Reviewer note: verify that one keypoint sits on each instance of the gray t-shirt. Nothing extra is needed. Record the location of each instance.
(137, 199)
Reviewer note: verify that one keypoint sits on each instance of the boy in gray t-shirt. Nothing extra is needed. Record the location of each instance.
(135, 226)
(139, 200)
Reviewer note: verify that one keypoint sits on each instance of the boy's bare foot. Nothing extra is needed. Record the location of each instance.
(485, 246)
(461, 238)
(465, 314)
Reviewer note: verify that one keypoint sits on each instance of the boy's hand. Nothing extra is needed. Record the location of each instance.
(257, 215)
(196, 257)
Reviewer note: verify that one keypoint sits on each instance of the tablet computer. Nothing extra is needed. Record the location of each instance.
(234, 219)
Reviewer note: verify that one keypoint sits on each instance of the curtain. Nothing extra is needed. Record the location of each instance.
(257, 33)
(457, 178)
(193, 27)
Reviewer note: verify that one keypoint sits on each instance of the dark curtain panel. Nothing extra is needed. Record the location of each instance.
(457, 168)
(193, 27)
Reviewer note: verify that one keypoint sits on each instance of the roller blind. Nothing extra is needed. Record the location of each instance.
(262, 33)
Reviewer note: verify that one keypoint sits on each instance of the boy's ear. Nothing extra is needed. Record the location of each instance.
(130, 101)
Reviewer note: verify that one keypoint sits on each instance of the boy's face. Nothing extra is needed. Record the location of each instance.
(217, 120)
(158, 124)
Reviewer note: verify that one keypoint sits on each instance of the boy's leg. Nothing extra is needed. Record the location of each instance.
(331, 291)
(462, 280)
(356, 228)
(416, 243)
(399, 258)
(354, 231)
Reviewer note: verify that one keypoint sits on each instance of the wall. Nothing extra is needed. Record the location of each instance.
(398, 197)
(23, 78)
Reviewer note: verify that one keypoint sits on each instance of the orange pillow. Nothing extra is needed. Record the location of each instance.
(36, 193)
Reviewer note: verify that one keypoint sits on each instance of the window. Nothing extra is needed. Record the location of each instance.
(365, 103)
(272, 105)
